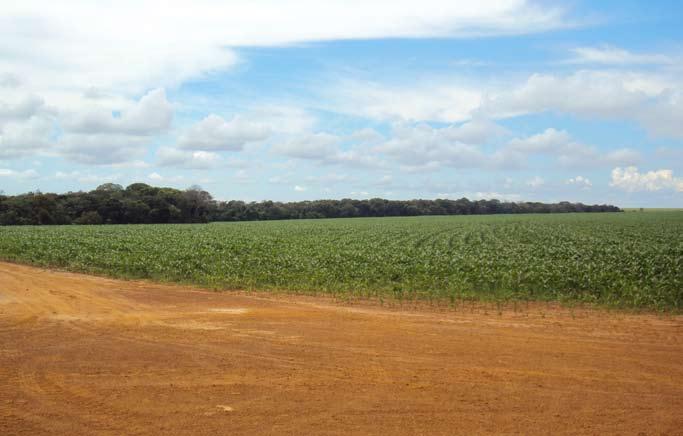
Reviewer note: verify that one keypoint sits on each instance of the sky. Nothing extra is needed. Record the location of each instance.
(300, 100)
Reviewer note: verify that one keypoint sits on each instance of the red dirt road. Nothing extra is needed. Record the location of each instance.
(88, 355)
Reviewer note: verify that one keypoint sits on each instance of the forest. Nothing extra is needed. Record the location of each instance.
(140, 203)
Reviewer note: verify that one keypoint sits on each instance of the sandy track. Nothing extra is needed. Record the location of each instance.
(88, 355)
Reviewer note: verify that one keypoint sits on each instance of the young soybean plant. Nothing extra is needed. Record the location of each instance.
(627, 260)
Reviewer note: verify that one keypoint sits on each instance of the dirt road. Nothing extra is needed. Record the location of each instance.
(88, 355)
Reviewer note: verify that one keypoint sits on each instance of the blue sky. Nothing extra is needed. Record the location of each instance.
(510, 99)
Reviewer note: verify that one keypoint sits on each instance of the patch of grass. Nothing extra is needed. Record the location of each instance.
(652, 209)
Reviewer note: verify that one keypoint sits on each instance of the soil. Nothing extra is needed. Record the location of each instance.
(90, 355)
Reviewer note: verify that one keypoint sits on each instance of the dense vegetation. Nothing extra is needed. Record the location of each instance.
(377, 207)
(108, 204)
(141, 203)
(633, 259)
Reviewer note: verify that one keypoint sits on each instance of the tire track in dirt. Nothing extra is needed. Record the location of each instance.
(89, 355)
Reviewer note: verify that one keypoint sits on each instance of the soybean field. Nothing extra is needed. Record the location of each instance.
(619, 259)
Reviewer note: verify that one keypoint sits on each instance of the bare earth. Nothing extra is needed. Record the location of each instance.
(88, 355)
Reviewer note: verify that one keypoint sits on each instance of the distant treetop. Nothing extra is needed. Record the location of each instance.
(110, 203)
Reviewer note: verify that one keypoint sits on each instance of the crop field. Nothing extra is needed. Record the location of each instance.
(83, 354)
(626, 260)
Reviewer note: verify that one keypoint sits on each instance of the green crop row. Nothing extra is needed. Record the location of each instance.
(627, 259)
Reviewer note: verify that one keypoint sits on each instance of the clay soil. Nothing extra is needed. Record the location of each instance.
(89, 355)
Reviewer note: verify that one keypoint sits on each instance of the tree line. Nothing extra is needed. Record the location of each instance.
(141, 203)
(108, 204)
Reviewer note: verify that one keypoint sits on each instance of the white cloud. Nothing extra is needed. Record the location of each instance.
(423, 144)
(611, 55)
(430, 102)
(131, 164)
(214, 133)
(98, 178)
(325, 149)
(385, 180)
(19, 106)
(299, 188)
(102, 149)
(330, 179)
(87, 178)
(158, 178)
(476, 131)
(653, 100)
(282, 118)
(63, 50)
(187, 159)
(422, 147)
(663, 116)
(22, 175)
(366, 136)
(672, 153)
(94, 136)
(61, 175)
(239, 163)
(8, 80)
(26, 123)
(580, 181)
(588, 93)
(356, 157)
(359, 194)
(242, 176)
(568, 152)
(612, 94)
(150, 115)
(535, 182)
(630, 180)
(426, 167)
(622, 156)
(24, 138)
(577, 155)
(279, 180)
(544, 142)
(128, 46)
(316, 146)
